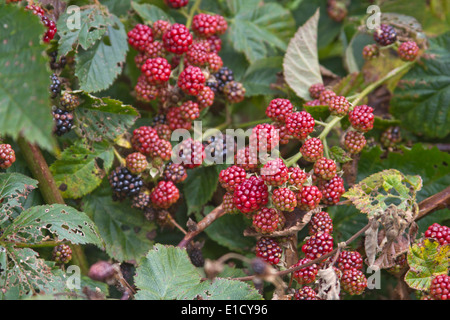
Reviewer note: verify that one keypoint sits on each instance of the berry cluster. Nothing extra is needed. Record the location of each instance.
(49, 24)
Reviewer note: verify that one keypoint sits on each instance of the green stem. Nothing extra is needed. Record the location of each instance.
(293, 160)
(320, 123)
(252, 123)
(194, 8)
(50, 192)
(119, 157)
(47, 244)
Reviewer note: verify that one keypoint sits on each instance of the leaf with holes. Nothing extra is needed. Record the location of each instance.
(301, 63)
(98, 119)
(426, 260)
(64, 222)
(81, 168)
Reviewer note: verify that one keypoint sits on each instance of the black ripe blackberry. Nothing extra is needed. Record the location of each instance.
(223, 76)
(218, 149)
(55, 87)
(385, 35)
(141, 200)
(212, 83)
(63, 121)
(194, 251)
(124, 184)
(160, 118)
(55, 65)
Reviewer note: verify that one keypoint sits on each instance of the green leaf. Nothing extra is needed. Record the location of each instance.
(13, 188)
(26, 274)
(301, 64)
(426, 260)
(421, 99)
(66, 223)
(98, 66)
(123, 229)
(24, 78)
(150, 13)
(103, 118)
(253, 32)
(81, 168)
(94, 22)
(158, 277)
(228, 231)
(260, 76)
(339, 154)
(200, 186)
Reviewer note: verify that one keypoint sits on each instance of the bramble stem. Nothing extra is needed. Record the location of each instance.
(194, 8)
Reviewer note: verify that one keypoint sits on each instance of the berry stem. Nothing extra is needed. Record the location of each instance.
(50, 192)
(320, 123)
(194, 8)
(119, 157)
(293, 160)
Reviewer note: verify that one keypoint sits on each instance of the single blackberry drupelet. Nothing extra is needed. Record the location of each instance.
(124, 184)
(63, 121)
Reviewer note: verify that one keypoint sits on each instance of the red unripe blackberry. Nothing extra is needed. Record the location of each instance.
(176, 4)
(136, 162)
(269, 250)
(176, 121)
(124, 183)
(190, 153)
(408, 51)
(353, 281)
(175, 172)
(325, 168)
(385, 35)
(305, 275)
(297, 177)
(391, 137)
(318, 245)
(153, 50)
(102, 271)
(222, 25)
(143, 139)
(439, 233)
(157, 71)
(350, 260)
(339, 106)
(321, 222)
(177, 39)
(284, 199)
(440, 287)
(283, 133)
(312, 149)
(370, 51)
(161, 149)
(279, 109)
(205, 98)
(159, 28)
(247, 158)
(163, 131)
(268, 220)
(275, 172)
(305, 293)
(326, 96)
(312, 103)
(145, 91)
(69, 101)
(62, 254)
(362, 118)
(228, 203)
(191, 80)
(337, 10)
(316, 89)
(140, 36)
(7, 156)
(264, 137)
(204, 25)
(332, 190)
(300, 124)
(49, 24)
(234, 92)
(189, 110)
(215, 43)
(354, 141)
(165, 194)
(197, 55)
(232, 176)
(251, 195)
(215, 62)
(308, 198)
